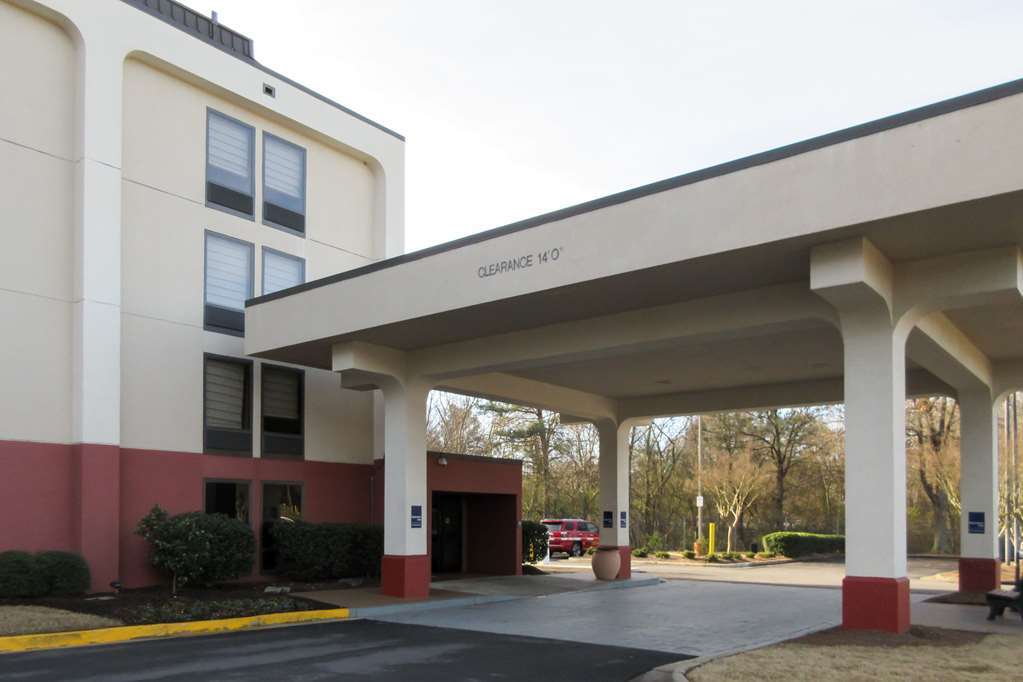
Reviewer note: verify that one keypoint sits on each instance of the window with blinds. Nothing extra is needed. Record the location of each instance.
(227, 402)
(283, 183)
(281, 270)
(228, 283)
(282, 407)
(230, 163)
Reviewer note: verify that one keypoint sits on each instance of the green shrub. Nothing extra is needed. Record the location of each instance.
(534, 542)
(20, 575)
(65, 573)
(591, 551)
(655, 542)
(327, 551)
(198, 548)
(641, 552)
(793, 544)
(749, 555)
(688, 554)
(766, 555)
(662, 555)
(713, 559)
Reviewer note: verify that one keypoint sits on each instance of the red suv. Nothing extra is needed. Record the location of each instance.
(573, 536)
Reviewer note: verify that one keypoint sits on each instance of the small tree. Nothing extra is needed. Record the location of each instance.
(198, 548)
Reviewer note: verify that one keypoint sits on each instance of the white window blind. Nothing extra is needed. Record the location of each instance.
(280, 393)
(225, 394)
(228, 274)
(229, 153)
(281, 272)
(285, 170)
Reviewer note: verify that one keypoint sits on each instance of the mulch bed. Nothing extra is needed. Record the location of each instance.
(156, 605)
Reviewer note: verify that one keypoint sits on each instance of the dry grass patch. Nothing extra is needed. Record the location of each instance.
(26, 620)
(923, 654)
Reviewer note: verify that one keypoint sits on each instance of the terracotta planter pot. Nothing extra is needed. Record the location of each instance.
(698, 548)
(606, 563)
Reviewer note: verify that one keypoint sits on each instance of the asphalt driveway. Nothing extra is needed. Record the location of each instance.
(353, 650)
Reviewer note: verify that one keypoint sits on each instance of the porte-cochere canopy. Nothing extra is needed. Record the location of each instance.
(863, 266)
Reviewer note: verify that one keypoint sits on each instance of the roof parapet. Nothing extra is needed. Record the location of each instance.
(207, 29)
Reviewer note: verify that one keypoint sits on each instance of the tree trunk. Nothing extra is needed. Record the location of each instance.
(779, 500)
(731, 535)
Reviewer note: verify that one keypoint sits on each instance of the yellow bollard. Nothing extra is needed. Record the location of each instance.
(710, 538)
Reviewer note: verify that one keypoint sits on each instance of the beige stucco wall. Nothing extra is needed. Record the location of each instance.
(36, 147)
(164, 223)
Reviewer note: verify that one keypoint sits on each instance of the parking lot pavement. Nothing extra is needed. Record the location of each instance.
(683, 617)
(352, 650)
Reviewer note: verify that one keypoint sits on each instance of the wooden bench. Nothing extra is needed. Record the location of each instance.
(999, 600)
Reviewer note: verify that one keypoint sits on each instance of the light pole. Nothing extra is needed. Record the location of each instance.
(699, 480)
(1014, 495)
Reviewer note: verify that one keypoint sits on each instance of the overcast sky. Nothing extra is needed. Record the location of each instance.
(511, 109)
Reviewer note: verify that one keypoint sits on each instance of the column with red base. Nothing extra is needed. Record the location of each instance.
(979, 567)
(405, 571)
(614, 490)
(859, 281)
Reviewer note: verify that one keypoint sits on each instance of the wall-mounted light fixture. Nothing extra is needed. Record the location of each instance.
(442, 460)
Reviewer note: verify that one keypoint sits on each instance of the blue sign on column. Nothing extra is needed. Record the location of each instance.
(976, 523)
(417, 516)
(609, 519)
(623, 520)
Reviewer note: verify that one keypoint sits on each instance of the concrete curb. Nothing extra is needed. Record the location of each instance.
(127, 633)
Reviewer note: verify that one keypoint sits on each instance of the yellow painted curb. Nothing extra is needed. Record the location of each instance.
(58, 640)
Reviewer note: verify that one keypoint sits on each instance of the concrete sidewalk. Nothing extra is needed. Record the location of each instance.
(923, 572)
(368, 602)
(963, 617)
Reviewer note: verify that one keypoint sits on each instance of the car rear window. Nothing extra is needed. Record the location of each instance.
(591, 528)
(568, 525)
(552, 527)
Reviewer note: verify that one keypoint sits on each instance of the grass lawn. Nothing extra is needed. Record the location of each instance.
(921, 654)
(27, 620)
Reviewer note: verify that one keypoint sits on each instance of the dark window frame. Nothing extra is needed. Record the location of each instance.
(276, 252)
(225, 321)
(273, 444)
(236, 481)
(227, 436)
(280, 211)
(212, 203)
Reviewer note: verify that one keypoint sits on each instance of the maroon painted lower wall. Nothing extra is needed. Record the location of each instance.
(89, 498)
(37, 496)
(174, 480)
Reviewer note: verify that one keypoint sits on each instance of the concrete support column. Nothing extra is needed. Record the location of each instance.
(875, 591)
(979, 567)
(406, 565)
(96, 342)
(859, 281)
(614, 490)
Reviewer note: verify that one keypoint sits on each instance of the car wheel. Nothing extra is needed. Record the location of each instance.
(577, 549)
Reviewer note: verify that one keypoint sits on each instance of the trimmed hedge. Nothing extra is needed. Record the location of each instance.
(198, 548)
(793, 544)
(327, 551)
(20, 575)
(534, 542)
(65, 573)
